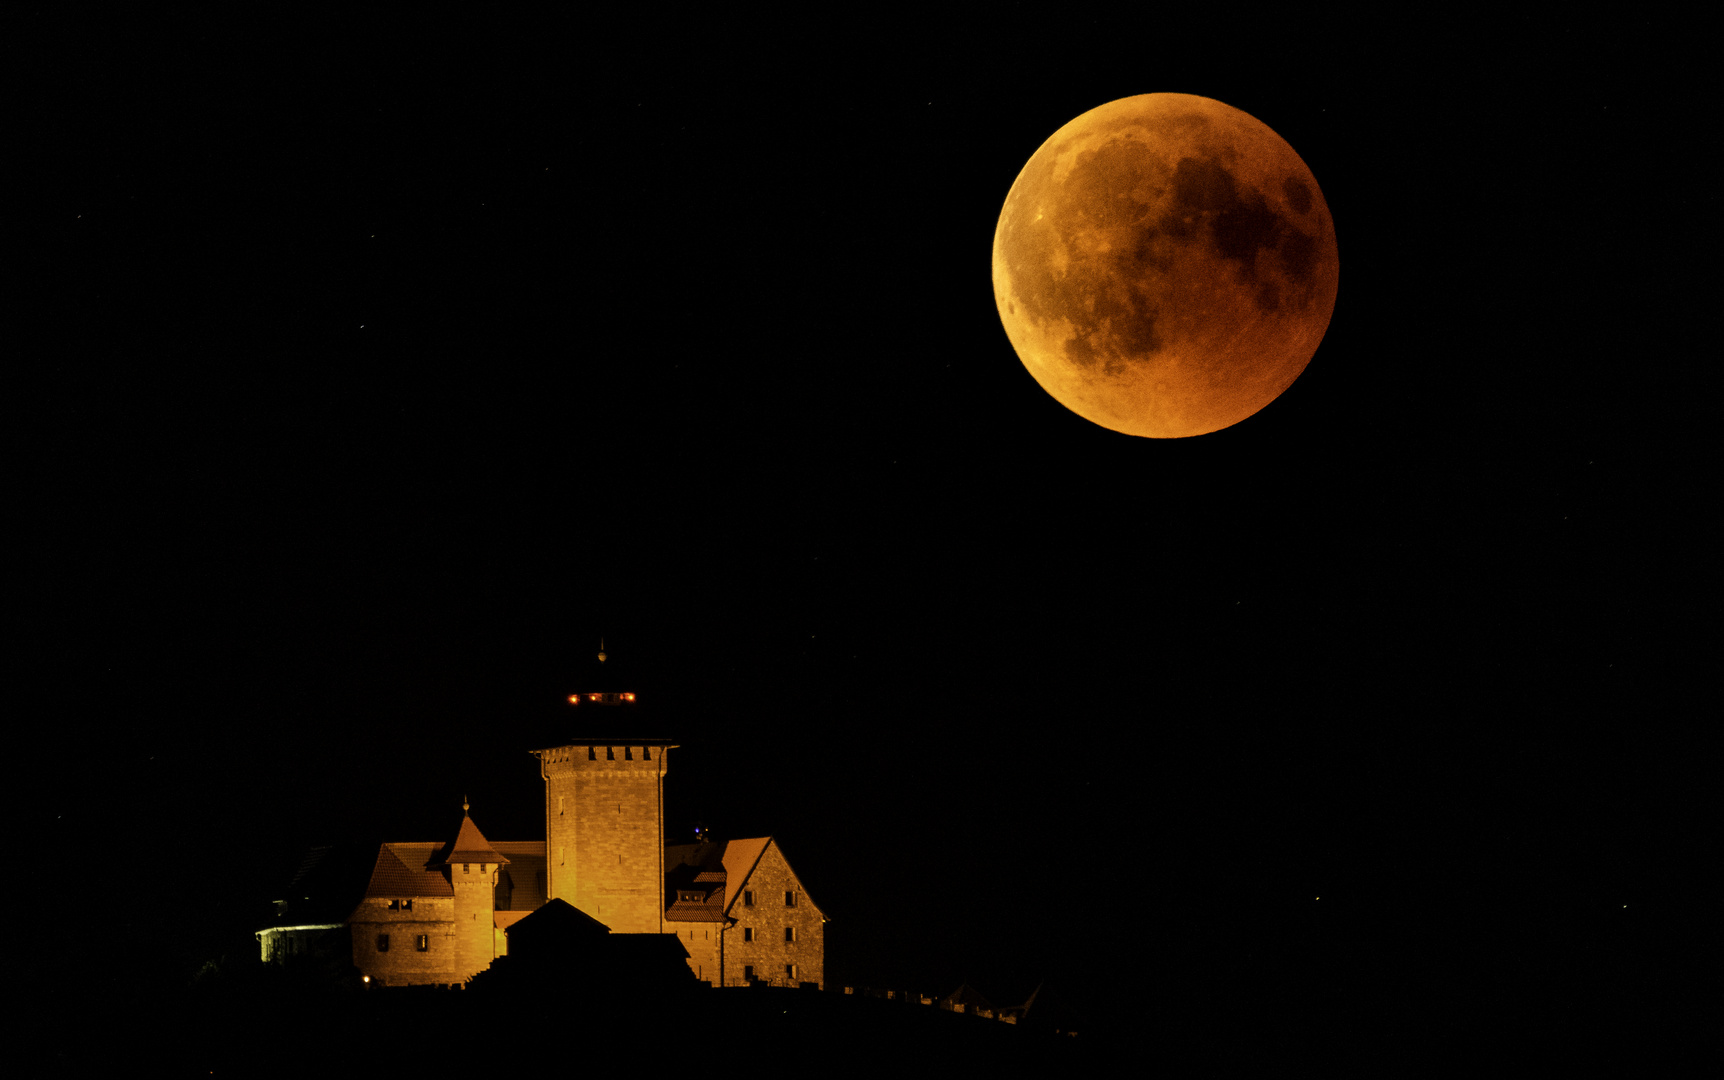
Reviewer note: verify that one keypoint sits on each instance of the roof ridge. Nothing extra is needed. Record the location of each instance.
(471, 846)
(731, 893)
(806, 898)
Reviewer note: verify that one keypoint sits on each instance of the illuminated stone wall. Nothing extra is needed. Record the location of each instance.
(473, 929)
(404, 964)
(325, 940)
(768, 917)
(704, 942)
(605, 833)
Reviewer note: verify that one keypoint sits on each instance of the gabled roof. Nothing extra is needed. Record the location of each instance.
(328, 881)
(703, 855)
(703, 911)
(524, 874)
(401, 871)
(471, 846)
(558, 921)
(740, 857)
(502, 920)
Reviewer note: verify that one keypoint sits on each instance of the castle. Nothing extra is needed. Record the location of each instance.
(439, 913)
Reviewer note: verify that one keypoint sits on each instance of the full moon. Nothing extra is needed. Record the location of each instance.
(1165, 265)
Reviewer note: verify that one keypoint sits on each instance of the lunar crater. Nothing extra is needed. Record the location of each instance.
(1168, 236)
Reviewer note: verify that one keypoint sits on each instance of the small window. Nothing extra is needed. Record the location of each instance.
(406, 905)
(748, 972)
(748, 933)
(748, 898)
(394, 905)
(382, 942)
(424, 943)
(789, 899)
(790, 933)
(465, 867)
(790, 972)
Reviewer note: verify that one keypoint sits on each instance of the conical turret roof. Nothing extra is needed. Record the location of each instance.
(470, 844)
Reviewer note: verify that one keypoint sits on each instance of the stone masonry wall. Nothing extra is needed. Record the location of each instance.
(704, 943)
(473, 929)
(403, 964)
(768, 917)
(605, 848)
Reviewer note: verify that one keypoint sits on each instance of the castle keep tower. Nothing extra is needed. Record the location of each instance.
(604, 811)
(604, 830)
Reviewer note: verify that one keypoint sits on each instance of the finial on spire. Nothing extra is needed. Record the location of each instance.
(464, 806)
(601, 650)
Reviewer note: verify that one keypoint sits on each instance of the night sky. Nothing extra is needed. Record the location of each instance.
(371, 372)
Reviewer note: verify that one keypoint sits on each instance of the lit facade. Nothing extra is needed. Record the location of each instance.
(438, 913)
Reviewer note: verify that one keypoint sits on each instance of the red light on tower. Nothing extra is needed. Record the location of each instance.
(574, 699)
(628, 697)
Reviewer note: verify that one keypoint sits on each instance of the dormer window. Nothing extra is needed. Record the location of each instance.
(748, 898)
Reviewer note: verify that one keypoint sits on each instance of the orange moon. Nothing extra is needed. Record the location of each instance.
(1165, 265)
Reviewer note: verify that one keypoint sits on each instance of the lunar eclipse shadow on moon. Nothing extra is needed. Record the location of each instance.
(1165, 265)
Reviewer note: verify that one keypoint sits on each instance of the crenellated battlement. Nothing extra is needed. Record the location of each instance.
(599, 757)
(604, 829)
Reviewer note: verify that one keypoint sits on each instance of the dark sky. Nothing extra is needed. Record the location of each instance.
(371, 372)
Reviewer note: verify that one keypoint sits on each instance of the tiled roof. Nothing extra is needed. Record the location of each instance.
(326, 885)
(308, 864)
(739, 859)
(505, 919)
(525, 874)
(558, 919)
(400, 871)
(702, 855)
(695, 911)
(471, 846)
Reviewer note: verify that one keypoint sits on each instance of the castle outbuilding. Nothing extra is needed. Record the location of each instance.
(436, 913)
